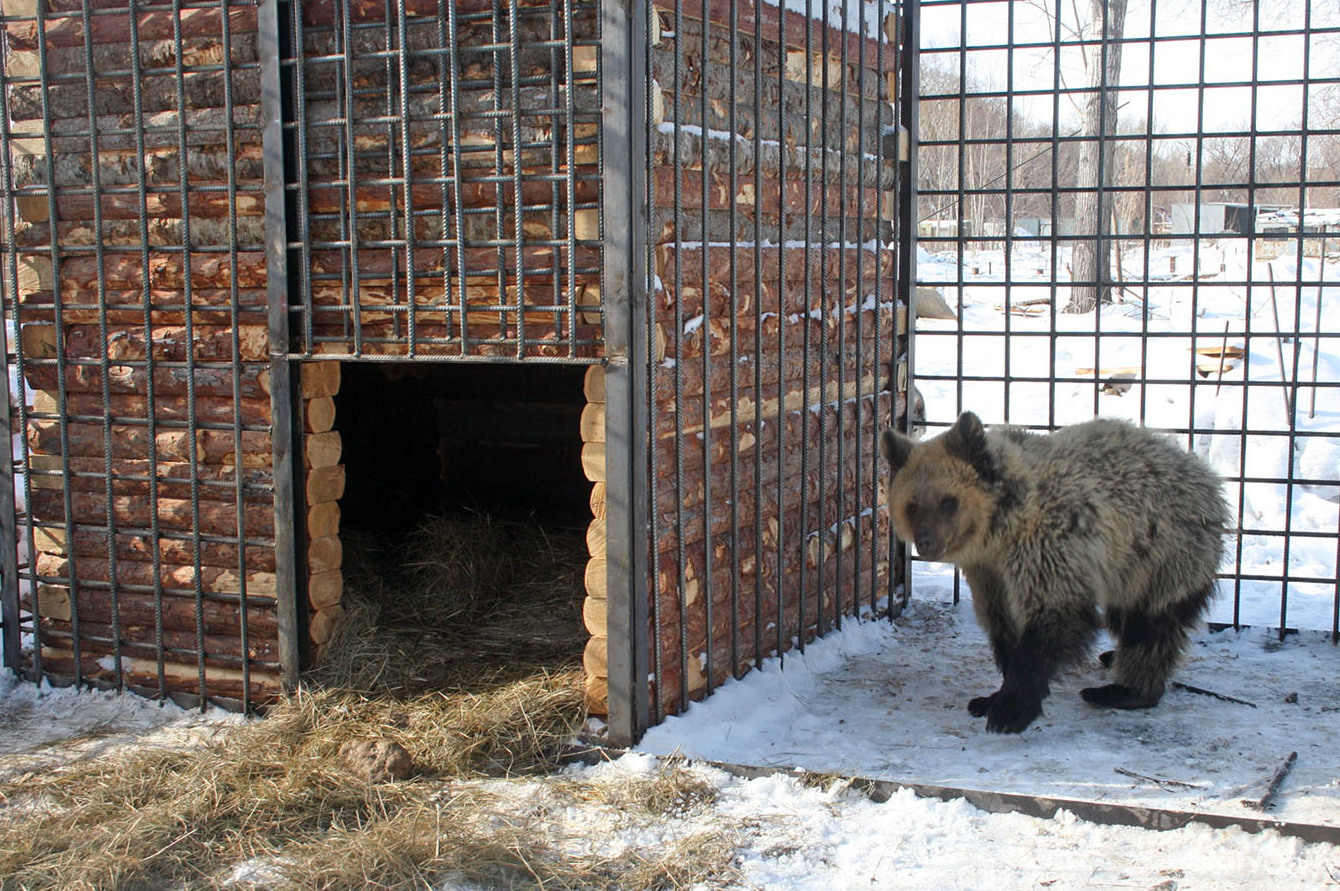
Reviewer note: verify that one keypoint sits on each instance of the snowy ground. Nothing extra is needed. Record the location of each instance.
(889, 703)
(886, 701)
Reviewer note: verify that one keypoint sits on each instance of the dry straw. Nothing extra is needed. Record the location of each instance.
(463, 645)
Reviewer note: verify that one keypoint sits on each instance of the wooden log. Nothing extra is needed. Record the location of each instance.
(825, 595)
(125, 235)
(141, 641)
(132, 513)
(127, 270)
(790, 265)
(319, 379)
(593, 461)
(799, 30)
(38, 341)
(592, 423)
(325, 589)
(222, 680)
(165, 306)
(177, 613)
(473, 191)
(595, 615)
(379, 302)
(593, 385)
(855, 424)
(594, 578)
(132, 477)
(596, 693)
(127, 155)
(820, 487)
(253, 379)
(553, 328)
(324, 554)
(318, 414)
(822, 395)
(801, 334)
(207, 200)
(205, 409)
(324, 623)
(595, 657)
(253, 449)
(325, 484)
(172, 343)
(482, 265)
(595, 538)
(141, 548)
(726, 192)
(56, 570)
(502, 344)
(114, 27)
(323, 519)
(322, 450)
(598, 500)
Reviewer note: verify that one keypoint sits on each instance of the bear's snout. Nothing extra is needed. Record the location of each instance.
(928, 543)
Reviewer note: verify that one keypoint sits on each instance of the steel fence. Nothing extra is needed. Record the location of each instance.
(769, 182)
(137, 508)
(1132, 209)
(444, 194)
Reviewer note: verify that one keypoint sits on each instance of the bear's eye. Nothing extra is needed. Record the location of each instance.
(911, 510)
(948, 504)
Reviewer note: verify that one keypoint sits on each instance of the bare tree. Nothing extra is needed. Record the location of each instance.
(1091, 261)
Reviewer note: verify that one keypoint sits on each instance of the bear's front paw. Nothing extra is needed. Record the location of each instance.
(1011, 713)
(980, 705)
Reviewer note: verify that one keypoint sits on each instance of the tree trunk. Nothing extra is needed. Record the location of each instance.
(1091, 261)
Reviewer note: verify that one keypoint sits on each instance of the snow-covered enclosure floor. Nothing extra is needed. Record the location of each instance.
(889, 702)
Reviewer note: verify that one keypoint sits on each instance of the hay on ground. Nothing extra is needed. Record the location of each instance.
(462, 644)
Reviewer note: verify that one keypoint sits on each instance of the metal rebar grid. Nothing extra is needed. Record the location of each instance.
(772, 333)
(139, 502)
(1186, 150)
(445, 180)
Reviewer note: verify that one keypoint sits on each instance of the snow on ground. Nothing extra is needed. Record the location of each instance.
(889, 703)
(887, 700)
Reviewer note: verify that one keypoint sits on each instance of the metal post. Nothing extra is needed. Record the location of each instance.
(288, 616)
(624, 231)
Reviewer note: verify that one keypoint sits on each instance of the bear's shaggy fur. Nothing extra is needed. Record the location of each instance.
(1048, 531)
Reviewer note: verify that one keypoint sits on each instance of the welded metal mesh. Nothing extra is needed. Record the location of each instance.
(445, 188)
(137, 506)
(1206, 305)
(770, 177)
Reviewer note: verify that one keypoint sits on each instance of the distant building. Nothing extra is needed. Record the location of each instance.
(1214, 219)
(1042, 227)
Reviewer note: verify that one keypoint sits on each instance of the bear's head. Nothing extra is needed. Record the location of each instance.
(940, 492)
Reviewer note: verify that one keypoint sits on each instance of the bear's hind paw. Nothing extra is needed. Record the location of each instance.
(1118, 696)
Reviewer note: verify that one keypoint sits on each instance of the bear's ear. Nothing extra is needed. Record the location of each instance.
(896, 449)
(966, 440)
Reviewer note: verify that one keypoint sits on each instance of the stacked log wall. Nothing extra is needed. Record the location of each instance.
(140, 301)
(446, 209)
(775, 331)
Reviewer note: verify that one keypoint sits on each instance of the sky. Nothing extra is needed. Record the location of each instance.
(1225, 59)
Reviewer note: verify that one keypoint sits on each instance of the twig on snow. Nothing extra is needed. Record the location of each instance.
(1203, 692)
(1273, 787)
(1158, 781)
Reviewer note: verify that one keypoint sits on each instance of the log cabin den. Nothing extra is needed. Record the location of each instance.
(303, 290)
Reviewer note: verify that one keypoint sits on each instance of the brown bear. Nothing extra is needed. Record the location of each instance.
(1049, 530)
